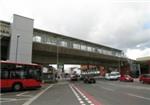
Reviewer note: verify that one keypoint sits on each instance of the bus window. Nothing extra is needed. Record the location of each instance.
(14, 75)
(34, 73)
(4, 74)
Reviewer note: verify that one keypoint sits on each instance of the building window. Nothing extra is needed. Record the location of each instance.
(37, 39)
(63, 43)
(99, 50)
(89, 48)
(76, 45)
(83, 47)
(94, 49)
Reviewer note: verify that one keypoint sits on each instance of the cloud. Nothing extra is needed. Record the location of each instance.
(133, 53)
(122, 28)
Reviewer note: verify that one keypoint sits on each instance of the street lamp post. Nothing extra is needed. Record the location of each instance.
(17, 48)
(119, 65)
(138, 65)
(57, 58)
(57, 54)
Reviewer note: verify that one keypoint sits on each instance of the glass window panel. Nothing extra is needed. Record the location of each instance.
(99, 50)
(4, 74)
(89, 48)
(37, 38)
(76, 46)
(83, 47)
(63, 43)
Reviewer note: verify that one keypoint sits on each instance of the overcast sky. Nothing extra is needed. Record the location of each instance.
(122, 24)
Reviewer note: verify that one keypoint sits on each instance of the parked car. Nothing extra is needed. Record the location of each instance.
(126, 78)
(112, 76)
(145, 78)
(89, 79)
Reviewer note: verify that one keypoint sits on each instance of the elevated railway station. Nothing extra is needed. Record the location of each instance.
(21, 42)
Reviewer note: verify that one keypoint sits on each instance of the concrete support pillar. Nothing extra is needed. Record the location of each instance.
(21, 39)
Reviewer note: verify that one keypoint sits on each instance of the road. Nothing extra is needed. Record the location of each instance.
(77, 93)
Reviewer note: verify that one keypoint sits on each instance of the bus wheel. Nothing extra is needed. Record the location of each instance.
(17, 87)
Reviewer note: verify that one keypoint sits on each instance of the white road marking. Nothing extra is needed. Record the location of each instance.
(76, 94)
(62, 83)
(35, 97)
(27, 95)
(22, 93)
(79, 99)
(125, 86)
(81, 102)
(12, 99)
(89, 102)
(8, 98)
(86, 99)
(84, 96)
(106, 88)
(134, 95)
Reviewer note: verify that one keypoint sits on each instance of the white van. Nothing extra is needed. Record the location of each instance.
(112, 76)
(107, 76)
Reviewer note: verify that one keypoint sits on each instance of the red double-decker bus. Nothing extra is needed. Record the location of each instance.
(18, 76)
